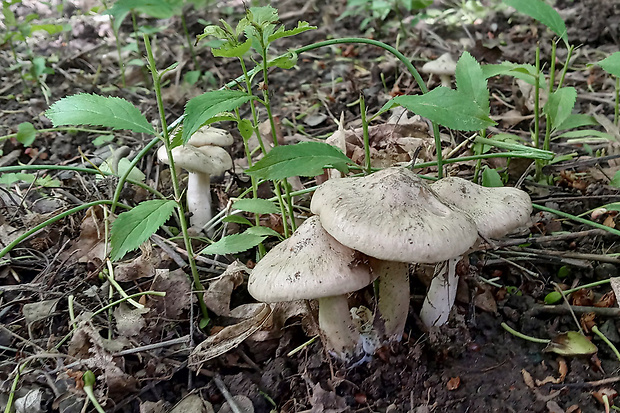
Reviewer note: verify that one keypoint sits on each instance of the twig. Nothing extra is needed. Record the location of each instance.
(579, 310)
(180, 340)
(543, 239)
(596, 383)
(576, 255)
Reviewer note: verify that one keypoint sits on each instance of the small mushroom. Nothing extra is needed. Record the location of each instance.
(495, 211)
(392, 215)
(311, 264)
(201, 163)
(444, 66)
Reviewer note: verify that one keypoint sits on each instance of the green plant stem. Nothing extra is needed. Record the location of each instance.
(523, 336)
(60, 128)
(365, 134)
(613, 348)
(72, 322)
(539, 164)
(283, 212)
(156, 76)
(88, 389)
(571, 48)
(478, 150)
(246, 77)
(573, 218)
(617, 100)
(11, 397)
(189, 41)
(50, 221)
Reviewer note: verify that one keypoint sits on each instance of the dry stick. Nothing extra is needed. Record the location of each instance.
(538, 240)
(596, 383)
(575, 255)
(579, 310)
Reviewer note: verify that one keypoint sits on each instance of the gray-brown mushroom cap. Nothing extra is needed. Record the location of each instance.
(393, 215)
(210, 160)
(310, 264)
(496, 211)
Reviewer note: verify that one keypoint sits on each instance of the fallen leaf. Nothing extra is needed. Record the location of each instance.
(242, 405)
(129, 320)
(39, 310)
(218, 295)
(453, 383)
(527, 378)
(571, 343)
(587, 321)
(608, 300)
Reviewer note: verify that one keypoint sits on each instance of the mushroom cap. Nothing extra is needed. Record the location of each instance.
(210, 136)
(210, 160)
(308, 265)
(393, 215)
(496, 211)
(443, 65)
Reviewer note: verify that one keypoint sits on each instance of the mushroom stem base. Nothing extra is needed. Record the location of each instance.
(394, 297)
(340, 334)
(441, 294)
(199, 199)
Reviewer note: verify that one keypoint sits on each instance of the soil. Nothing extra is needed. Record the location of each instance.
(472, 364)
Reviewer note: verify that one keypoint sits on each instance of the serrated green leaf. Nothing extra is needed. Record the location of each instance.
(230, 49)
(208, 105)
(611, 64)
(471, 81)
(491, 178)
(302, 159)
(446, 107)
(544, 13)
(237, 219)
(263, 16)
(525, 72)
(26, 133)
(256, 206)
(287, 61)
(134, 227)
(266, 231)
(233, 244)
(560, 105)
(160, 9)
(213, 30)
(85, 109)
(281, 32)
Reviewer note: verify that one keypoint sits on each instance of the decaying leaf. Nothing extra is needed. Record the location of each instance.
(527, 378)
(326, 401)
(227, 338)
(129, 320)
(192, 403)
(218, 295)
(453, 383)
(30, 403)
(89, 246)
(140, 267)
(39, 311)
(562, 369)
(606, 391)
(587, 321)
(178, 289)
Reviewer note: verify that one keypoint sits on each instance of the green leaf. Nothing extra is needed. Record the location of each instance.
(49, 28)
(230, 49)
(471, 81)
(112, 112)
(237, 219)
(46, 181)
(160, 9)
(614, 206)
(266, 231)
(302, 159)
(615, 182)
(586, 135)
(208, 105)
(256, 206)
(525, 72)
(544, 13)
(577, 120)
(287, 61)
(134, 227)
(245, 129)
(446, 107)
(491, 178)
(232, 244)
(213, 30)
(571, 343)
(611, 64)
(26, 133)
(280, 33)
(553, 298)
(560, 105)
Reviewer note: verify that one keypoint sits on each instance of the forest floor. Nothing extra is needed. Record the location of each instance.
(471, 364)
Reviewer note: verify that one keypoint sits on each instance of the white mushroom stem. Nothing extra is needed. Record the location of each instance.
(339, 332)
(199, 199)
(441, 294)
(394, 296)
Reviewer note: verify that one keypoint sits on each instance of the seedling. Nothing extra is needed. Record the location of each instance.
(571, 343)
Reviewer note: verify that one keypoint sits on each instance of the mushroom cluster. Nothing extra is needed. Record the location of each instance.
(203, 156)
(372, 227)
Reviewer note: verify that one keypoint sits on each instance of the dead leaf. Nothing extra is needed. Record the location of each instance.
(485, 300)
(227, 339)
(89, 247)
(573, 409)
(326, 401)
(178, 289)
(453, 383)
(140, 267)
(219, 293)
(129, 320)
(582, 297)
(39, 310)
(554, 407)
(242, 405)
(587, 321)
(30, 403)
(527, 378)
(192, 403)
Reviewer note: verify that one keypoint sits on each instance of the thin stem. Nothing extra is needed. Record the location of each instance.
(60, 128)
(565, 68)
(617, 100)
(175, 183)
(523, 336)
(189, 41)
(365, 133)
(613, 348)
(572, 218)
(539, 164)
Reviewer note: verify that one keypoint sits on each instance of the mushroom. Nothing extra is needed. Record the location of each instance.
(201, 162)
(495, 211)
(444, 66)
(311, 264)
(392, 215)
